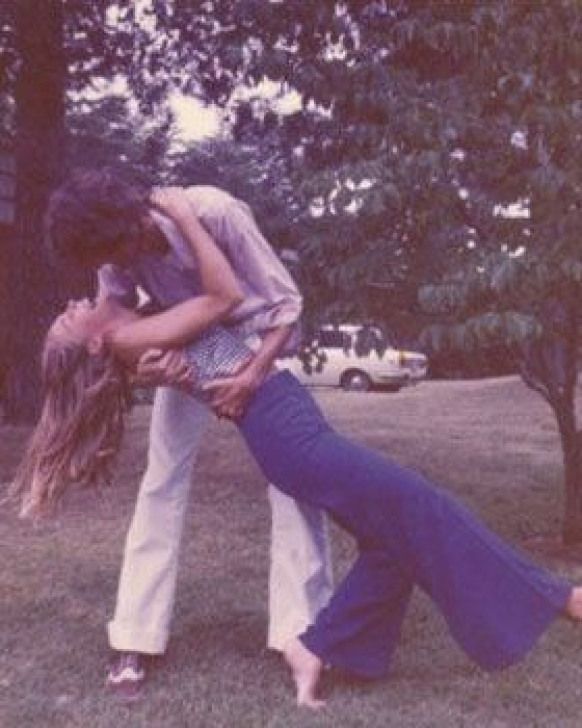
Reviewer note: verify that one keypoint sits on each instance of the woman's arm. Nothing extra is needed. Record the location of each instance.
(216, 275)
(173, 328)
(183, 322)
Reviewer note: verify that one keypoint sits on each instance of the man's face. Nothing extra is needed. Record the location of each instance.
(154, 240)
(122, 254)
(146, 237)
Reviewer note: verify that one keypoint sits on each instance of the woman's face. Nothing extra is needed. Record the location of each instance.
(82, 320)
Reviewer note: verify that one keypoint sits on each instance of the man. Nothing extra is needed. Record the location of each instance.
(98, 220)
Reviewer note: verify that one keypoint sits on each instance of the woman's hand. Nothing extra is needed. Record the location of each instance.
(173, 202)
(158, 368)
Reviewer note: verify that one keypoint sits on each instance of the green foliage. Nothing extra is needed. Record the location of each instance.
(423, 100)
(419, 122)
(406, 138)
(509, 328)
(108, 132)
(255, 170)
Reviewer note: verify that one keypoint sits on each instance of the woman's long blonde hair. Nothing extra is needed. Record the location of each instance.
(79, 432)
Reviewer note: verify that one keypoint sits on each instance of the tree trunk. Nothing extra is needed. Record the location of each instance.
(572, 456)
(550, 368)
(40, 104)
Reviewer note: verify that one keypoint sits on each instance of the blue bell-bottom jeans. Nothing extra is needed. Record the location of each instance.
(409, 532)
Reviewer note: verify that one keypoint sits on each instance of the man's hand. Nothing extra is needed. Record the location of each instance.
(156, 368)
(230, 395)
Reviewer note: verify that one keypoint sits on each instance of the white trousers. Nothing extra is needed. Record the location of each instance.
(300, 581)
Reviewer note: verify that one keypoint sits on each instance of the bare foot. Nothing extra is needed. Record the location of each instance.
(574, 605)
(306, 669)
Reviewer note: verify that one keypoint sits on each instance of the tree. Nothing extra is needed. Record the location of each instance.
(363, 119)
(420, 99)
(47, 49)
(48, 52)
(109, 131)
(529, 304)
(522, 288)
(39, 116)
(417, 120)
(447, 112)
(252, 167)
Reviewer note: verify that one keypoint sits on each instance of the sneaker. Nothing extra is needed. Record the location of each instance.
(126, 675)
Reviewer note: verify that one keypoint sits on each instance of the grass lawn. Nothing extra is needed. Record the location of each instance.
(492, 442)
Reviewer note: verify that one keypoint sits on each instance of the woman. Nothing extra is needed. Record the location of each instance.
(496, 603)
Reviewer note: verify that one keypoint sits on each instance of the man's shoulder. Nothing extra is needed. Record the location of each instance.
(208, 198)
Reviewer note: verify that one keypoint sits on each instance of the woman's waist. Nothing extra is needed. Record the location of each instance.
(216, 354)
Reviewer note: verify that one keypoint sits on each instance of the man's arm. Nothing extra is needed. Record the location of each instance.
(264, 275)
(231, 394)
(179, 324)
(231, 223)
(217, 277)
(273, 343)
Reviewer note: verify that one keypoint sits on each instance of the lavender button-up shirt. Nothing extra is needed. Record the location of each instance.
(271, 298)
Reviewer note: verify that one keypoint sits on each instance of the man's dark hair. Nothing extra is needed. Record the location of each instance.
(92, 214)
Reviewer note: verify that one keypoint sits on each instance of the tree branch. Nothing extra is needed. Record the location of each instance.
(535, 384)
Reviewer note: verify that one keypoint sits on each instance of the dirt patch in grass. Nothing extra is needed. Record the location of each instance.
(493, 444)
